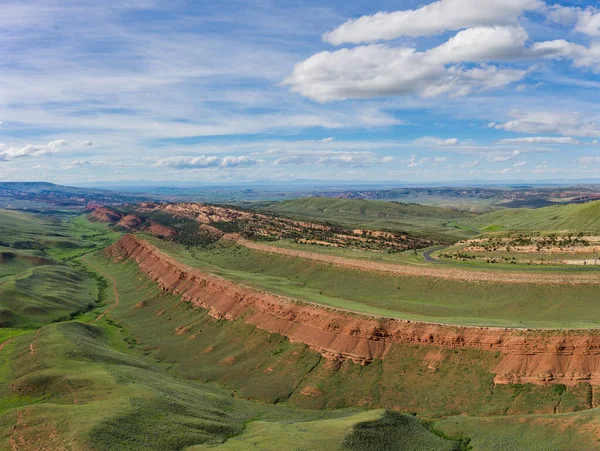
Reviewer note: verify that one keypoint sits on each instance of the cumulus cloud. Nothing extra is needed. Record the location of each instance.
(584, 20)
(434, 141)
(377, 70)
(232, 162)
(580, 55)
(540, 140)
(413, 161)
(204, 161)
(567, 124)
(38, 150)
(489, 33)
(499, 156)
(332, 158)
(431, 19)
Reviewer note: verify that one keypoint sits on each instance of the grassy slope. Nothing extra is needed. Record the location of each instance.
(77, 390)
(433, 222)
(36, 286)
(417, 298)
(374, 432)
(573, 217)
(44, 294)
(81, 384)
(88, 387)
(268, 368)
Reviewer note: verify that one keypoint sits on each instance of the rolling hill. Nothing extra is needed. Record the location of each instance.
(431, 222)
(573, 217)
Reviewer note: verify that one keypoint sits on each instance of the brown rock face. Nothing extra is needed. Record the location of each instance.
(104, 214)
(160, 230)
(129, 222)
(536, 356)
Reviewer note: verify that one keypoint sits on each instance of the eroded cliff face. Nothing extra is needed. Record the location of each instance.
(539, 357)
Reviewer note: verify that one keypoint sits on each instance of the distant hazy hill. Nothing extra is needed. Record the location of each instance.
(575, 217)
(435, 222)
(38, 195)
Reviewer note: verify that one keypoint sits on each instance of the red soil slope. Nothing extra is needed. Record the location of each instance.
(104, 214)
(539, 357)
(159, 230)
(129, 222)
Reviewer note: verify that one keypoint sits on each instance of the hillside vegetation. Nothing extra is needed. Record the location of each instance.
(573, 217)
(268, 368)
(400, 296)
(144, 376)
(432, 222)
(37, 286)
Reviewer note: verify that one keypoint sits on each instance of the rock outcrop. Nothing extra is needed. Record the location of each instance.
(104, 214)
(535, 356)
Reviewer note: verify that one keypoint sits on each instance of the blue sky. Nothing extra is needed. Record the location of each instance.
(148, 91)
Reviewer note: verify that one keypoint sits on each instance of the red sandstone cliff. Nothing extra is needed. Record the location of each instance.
(542, 356)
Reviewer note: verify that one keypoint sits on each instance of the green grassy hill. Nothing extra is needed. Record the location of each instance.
(44, 294)
(573, 217)
(87, 387)
(268, 368)
(400, 296)
(145, 376)
(37, 287)
(433, 222)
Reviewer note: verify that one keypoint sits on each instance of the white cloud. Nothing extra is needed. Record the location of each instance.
(34, 150)
(413, 161)
(584, 20)
(332, 158)
(79, 163)
(568, 124)
(199, 162)
(523, 87)
(244, 160)
(481, 44)
(499, 156)
(434, 141)
(582, 56)
(204, 161)
(378, 70)
(540, 140)
(431, 19)
(461, 65)
(588, 22)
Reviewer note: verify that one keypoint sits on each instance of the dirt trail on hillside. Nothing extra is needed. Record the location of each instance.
(4, 343)
(114, 284)
(425, 271)
(535, 356)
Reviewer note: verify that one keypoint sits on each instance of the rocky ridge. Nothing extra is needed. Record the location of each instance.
(534, 356)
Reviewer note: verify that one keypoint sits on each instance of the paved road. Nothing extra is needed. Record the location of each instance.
(427, 255)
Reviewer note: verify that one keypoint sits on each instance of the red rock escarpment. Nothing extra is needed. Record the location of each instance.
(104, 214)
(536, 356)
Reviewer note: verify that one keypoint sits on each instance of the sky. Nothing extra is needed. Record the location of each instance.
(237, 91)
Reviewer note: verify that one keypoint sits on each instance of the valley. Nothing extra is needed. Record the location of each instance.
(274, 339)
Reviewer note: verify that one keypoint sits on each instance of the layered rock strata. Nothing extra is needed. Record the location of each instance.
(536, 356)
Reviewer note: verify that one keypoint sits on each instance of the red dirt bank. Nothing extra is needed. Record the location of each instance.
(539, 357)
